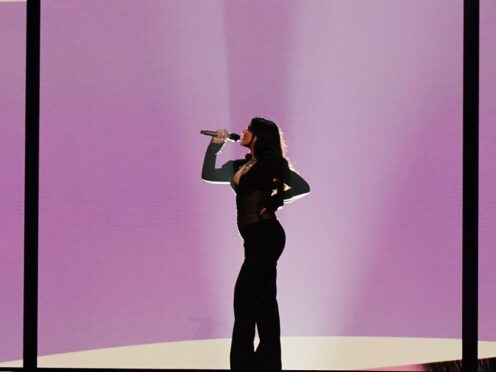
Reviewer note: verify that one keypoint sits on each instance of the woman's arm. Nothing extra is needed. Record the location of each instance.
(212, 174)
(297, 187)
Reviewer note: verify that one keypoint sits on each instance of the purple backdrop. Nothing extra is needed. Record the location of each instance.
(370, 94)
(135, 248)
(487, 177)
(12, 97)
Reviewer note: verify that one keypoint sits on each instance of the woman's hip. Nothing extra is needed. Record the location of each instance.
(264, 238)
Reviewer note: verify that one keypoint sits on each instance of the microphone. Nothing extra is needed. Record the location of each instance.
(231, 136)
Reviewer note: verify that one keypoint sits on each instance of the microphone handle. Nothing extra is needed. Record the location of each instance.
(212, 133)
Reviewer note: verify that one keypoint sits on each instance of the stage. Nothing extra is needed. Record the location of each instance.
(299, 353)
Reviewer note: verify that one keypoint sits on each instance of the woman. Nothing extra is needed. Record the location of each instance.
(263, 181)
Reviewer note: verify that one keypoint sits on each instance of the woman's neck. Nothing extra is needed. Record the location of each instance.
(252, 152)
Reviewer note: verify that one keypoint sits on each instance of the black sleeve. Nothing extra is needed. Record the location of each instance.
(298, 187)
(212, 174)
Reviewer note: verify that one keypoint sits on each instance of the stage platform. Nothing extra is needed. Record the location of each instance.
(299, 353)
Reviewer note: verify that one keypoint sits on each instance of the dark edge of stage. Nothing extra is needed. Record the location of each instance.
(470, 201)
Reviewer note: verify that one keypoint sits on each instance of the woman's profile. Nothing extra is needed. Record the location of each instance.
(263, 182)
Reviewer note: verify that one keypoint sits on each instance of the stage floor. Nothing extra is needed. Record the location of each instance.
(306, 353)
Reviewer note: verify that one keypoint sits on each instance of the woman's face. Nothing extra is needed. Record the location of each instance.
(246, 137)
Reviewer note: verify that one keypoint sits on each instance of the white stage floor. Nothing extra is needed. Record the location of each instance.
(308, 353)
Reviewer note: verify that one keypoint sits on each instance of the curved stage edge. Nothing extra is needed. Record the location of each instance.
(299, 353)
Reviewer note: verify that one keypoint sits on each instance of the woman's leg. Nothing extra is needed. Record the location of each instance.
(242, 349)
(268, 353)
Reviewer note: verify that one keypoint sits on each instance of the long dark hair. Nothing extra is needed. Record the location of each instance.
(269, 147)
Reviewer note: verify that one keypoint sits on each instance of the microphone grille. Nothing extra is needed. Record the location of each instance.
(234, 136)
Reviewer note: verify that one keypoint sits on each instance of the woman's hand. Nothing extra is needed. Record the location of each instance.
(273, 204)
(221, 136)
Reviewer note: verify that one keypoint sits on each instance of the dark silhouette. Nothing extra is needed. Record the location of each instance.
(263, 181)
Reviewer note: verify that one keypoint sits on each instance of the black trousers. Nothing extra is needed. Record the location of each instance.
(255, 302)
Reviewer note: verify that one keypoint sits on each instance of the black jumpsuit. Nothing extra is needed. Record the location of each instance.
(255, 292)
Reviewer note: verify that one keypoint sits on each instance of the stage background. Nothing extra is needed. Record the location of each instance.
(487, 176)
(12, 106)
(136, 249)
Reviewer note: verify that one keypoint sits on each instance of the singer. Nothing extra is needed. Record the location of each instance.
(263, 182)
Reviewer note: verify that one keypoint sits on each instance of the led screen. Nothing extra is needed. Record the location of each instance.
(12, 100)
(138, 255)
(487, 181)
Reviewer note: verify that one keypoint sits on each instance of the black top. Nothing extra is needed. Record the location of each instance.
(256, 187)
